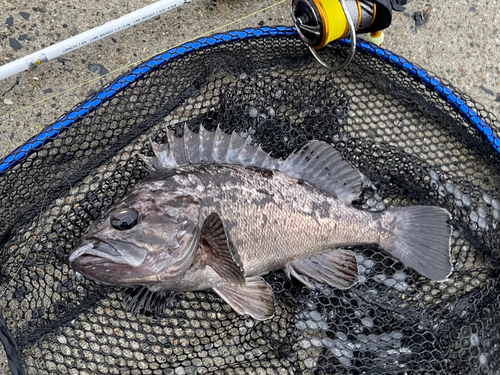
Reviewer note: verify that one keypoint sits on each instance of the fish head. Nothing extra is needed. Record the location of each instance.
(148, 236)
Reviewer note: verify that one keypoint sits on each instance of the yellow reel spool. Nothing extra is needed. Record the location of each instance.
(335, 24)
(319, 22)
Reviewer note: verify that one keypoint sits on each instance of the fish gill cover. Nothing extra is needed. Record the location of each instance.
(416, 143)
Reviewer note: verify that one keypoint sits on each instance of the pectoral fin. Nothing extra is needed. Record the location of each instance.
(337, 268)
(254, 298)
(216, 252)
(184, 255)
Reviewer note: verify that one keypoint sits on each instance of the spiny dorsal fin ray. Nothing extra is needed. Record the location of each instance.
(191, 145)
(152, 164)
(177, 146)
(222, 141)
(207, 143)
(163, 155)
(317, 162)
(236, 144)
(216, 252)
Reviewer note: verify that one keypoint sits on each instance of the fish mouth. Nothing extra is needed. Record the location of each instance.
(110, 251)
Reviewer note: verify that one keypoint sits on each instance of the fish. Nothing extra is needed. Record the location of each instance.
(217, 213)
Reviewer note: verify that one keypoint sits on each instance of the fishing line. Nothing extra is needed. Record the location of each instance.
(212, 31)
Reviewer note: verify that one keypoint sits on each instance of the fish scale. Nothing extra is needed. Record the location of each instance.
(246, 201)
(289, 207)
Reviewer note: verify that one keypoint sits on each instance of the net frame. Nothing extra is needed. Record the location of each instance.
(51, 133)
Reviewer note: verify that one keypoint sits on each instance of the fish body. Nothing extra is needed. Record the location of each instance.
(212, 219)
(270, 218)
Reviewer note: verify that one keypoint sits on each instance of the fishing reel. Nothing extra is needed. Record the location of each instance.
(320, 22)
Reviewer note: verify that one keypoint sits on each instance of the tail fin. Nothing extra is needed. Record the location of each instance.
(420, 239)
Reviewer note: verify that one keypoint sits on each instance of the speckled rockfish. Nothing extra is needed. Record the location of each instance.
(217, 213)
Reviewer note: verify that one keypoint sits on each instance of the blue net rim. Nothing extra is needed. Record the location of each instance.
(70, 119)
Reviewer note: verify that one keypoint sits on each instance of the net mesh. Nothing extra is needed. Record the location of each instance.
(411, 144)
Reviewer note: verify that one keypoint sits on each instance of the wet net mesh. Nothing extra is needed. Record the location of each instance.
(412, 146)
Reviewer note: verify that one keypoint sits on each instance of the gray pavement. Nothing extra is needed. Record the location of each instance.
(460, 42)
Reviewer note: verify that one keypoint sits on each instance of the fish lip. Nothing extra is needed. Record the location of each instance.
(114, 251)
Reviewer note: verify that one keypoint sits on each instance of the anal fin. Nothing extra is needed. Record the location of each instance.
(254, 298)
(337, 268)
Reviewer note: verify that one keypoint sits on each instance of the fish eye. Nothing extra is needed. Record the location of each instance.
(124, 218)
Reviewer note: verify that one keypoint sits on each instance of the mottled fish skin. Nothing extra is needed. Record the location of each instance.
(273, 219)
(270, 218)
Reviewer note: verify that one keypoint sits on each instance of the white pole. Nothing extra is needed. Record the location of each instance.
(87, 37)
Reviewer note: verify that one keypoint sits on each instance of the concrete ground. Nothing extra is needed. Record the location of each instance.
(459, 42)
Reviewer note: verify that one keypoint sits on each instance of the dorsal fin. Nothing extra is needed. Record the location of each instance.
(317, 162)
(191, 146)
(177, 146)
(221, 145)
(321, 165)
(208, 147)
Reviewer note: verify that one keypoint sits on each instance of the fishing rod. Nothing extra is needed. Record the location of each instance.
(87, 37)
(320, 22)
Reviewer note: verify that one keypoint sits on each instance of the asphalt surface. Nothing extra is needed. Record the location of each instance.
(459, 41)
